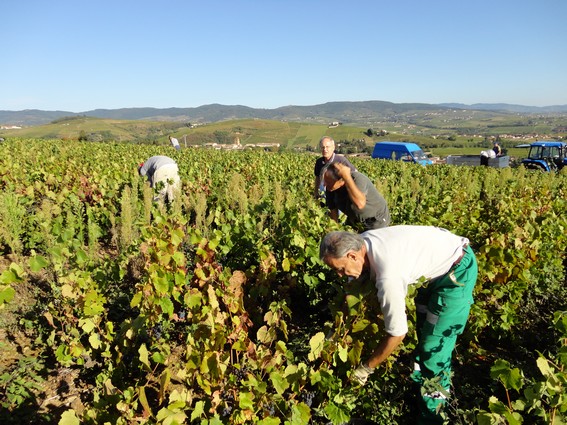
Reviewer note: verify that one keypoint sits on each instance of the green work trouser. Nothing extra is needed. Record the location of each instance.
(442, 310)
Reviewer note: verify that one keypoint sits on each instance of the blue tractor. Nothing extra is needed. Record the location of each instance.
(546, 155)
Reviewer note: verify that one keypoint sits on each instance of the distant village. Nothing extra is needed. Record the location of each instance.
(237, 145)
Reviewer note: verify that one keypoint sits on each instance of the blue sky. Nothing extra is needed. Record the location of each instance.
(82, 55)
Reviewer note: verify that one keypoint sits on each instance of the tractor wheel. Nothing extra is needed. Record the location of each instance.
(537, 167)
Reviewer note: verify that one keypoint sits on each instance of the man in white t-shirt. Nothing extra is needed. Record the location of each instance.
(174, 143)
(394, 258)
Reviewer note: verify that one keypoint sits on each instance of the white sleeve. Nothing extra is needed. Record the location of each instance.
(392, 297)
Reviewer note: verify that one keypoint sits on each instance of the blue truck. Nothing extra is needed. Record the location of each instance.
(546, 155)
(400, 151)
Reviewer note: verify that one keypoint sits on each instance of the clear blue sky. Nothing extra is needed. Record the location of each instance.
(76, 55)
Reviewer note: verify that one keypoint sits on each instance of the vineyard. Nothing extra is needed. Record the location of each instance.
(215, 309)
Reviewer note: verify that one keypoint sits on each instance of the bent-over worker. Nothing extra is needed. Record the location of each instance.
(162, 169)
(354, 194)
(398, 256)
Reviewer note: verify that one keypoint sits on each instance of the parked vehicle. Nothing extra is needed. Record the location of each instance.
(546, 155)
(477, 160)
(400, 151)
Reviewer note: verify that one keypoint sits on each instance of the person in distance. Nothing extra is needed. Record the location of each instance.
(328, 156)
(162, 171)
(354, 194)
(497, 149)
(394, 258)
(174, 142)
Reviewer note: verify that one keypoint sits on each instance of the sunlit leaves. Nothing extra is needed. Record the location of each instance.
(69, 418)
(37, 263)
(144, 356)
(337, 413)
(12, 275)
(279, 382)
(511, 378)
(6, 294)
(15, 273)
(316, 343)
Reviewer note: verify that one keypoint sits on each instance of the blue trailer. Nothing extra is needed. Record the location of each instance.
(477, 160)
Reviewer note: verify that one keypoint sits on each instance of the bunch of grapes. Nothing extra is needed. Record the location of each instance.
(189, 251)
(308, 397)
(270, 409)
(157, 330)
(228, 403)
(240, 373)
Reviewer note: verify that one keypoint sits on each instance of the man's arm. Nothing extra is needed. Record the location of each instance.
(386, 347)
(317, 184)
(357, 197)
(334, 214)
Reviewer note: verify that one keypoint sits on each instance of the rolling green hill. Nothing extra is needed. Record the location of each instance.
(94, 129)
(292, 126)
(251, 131)
(431, 129)
(247, 131)
(347, 112)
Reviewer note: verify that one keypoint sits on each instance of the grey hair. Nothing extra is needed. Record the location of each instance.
(325, 138)
(338, 244)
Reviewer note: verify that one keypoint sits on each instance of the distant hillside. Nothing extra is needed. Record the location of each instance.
(505, 107)
(31, 117)
(347, 112)
(358, 113)
(246, 131)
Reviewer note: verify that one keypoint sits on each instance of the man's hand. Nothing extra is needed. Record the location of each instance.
(342, 170)
(361, 374)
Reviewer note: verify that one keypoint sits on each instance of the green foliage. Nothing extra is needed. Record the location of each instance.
(542, 398)
(352, 146)
(20, 385)
(128, 214)
(12, 212)
(218, 310)
(8, 278)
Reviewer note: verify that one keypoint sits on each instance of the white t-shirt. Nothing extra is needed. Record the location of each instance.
(175, 143)
(399, 256)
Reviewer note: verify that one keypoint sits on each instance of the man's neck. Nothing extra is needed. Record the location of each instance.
(329, 159)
